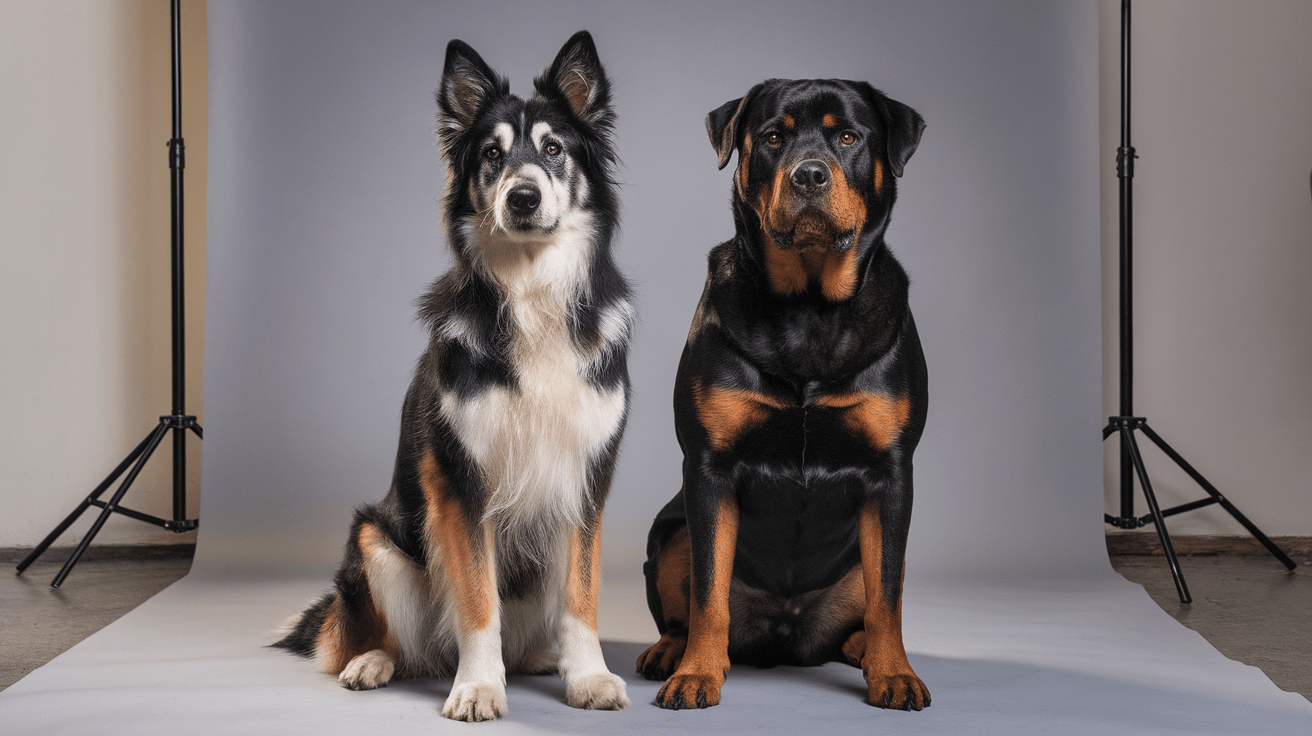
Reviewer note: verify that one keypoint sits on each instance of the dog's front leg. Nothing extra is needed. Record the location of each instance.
(713, 533)
(890, 681)
(588, 682)
(479, 691)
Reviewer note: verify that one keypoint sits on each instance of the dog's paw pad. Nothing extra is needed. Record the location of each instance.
(690, 691)
(898, 692)
(475, 701)
(367, 671)
(602, 691)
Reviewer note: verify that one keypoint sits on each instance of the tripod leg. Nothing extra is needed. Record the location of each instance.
(152, 442)
(86, 504)
(1222, 500)
(1127, 434)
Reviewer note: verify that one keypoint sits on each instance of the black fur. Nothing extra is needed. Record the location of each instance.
(799, 342)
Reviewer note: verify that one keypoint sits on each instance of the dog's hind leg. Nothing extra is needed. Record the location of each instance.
(588, 682)
(668, 576)
(354, 640)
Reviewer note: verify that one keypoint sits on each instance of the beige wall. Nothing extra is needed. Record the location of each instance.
(84, 285)
(1222, 121)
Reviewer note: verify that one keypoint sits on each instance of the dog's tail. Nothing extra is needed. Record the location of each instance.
(300, 633)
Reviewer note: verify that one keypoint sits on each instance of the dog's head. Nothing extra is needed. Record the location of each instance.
(519, 169)
(815, 177)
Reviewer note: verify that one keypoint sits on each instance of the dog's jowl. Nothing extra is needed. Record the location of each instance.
(800, 397)
(484, 556)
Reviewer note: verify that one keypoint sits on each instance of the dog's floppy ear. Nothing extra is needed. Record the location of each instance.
(578, 77)
(903, 126)
(468, 84)
(723, 122)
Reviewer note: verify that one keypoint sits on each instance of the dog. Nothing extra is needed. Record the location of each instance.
(484, 555)
(799, 399)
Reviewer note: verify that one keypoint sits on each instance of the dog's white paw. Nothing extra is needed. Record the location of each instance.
(475, 701)
(367, 671)
(602, 691)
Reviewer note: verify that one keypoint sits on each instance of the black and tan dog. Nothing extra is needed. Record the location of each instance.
(484, 556)
(800, 397)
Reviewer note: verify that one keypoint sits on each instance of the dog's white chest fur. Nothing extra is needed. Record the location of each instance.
(534, 443)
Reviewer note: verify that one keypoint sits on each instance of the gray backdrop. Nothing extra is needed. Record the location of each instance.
(324, 227)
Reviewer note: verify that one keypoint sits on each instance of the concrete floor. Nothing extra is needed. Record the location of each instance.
(1248, 607)
(41, 622)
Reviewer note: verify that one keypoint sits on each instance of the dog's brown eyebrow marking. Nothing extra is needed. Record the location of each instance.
(878, 417)
(829, 120)
(729, 413)
(789, 122)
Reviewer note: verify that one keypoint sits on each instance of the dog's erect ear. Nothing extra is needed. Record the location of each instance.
(577, 76)
(468, 84)
(722, 125)
(903, 125)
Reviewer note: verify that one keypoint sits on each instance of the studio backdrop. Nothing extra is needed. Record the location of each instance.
(324, 228)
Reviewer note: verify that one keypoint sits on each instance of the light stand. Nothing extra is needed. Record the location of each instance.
(1126, 424)
(178, 421)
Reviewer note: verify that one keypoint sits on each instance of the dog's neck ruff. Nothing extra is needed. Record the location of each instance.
(535, 442)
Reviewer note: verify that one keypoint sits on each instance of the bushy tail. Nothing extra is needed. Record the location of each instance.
(300, 633)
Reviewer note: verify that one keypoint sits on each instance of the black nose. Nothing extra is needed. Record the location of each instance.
(523, 200)
(811, 177)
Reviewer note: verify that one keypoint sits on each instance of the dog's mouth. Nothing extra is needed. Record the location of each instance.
(813, 229)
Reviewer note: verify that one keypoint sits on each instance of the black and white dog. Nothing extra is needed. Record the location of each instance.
(484, 556)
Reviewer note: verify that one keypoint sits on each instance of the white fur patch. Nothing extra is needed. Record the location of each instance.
(539, 132)
(367, 671)
(401, 591)
(479, 690)
(588, 684)
(505, 135)
(534, 444)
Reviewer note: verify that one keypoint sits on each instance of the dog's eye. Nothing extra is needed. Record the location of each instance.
(552, 149)
(848, 137)
(773, 139)
(493, 153)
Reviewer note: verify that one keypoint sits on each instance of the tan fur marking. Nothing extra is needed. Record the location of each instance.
(789, 121)
(846, 205)
(838, 280)
(879, 176)
(673, 573)
(467, 568)
(728, 413)
(328, 647)
(744, 158)
(583, 583)
(829, 120)
(786, 271)
(880, 418)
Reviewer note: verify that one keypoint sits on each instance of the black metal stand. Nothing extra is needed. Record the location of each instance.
(179, 421)
(1127, 424)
